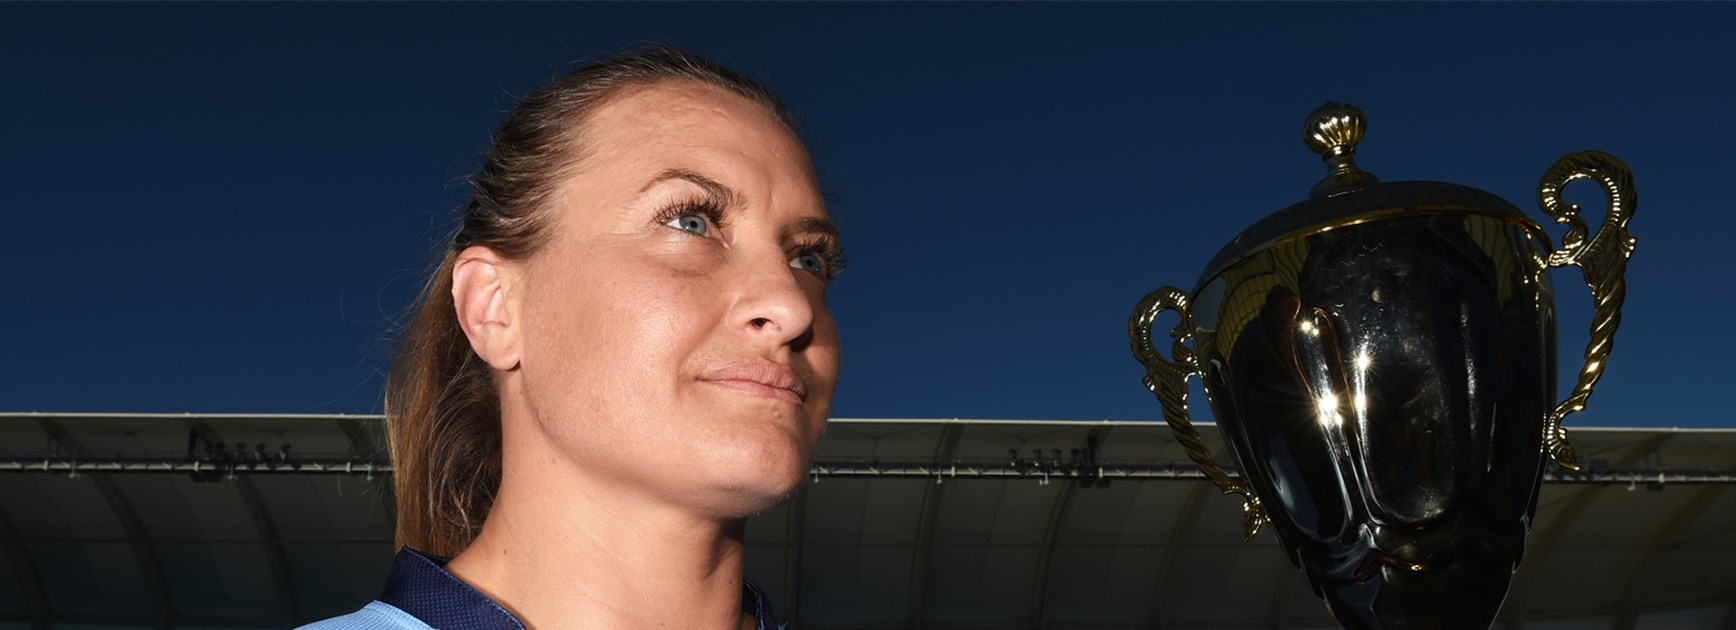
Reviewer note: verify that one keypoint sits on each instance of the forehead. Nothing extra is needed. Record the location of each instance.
(692, 125)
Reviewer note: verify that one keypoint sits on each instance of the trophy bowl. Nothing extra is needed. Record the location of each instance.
(1380, 358)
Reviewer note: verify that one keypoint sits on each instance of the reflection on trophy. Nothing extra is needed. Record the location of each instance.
(1381, 360)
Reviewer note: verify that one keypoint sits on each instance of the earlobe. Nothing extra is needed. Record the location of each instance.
(481, 287)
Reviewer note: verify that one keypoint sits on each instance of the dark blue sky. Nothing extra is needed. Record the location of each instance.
(223, 208)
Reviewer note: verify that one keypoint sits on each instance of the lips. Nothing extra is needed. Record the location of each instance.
(759, 378)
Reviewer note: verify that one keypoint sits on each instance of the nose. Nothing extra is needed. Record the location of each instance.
(773, 307)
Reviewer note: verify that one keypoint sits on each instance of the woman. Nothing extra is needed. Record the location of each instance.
(625, 352)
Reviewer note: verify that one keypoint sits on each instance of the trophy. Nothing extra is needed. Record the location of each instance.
(1380, 358)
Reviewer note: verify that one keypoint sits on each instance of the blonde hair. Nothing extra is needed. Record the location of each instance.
(442, 410)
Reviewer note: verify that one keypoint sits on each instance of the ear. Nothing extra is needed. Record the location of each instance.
(482, 284)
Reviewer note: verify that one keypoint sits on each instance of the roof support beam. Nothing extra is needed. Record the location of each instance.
(276, 556)
(24, 567)
(1164, 596)
(368, 441)
(1537, 550)
(1633, 595)
(918, 597)
(1282, 594)
(1519, 594)
(150, 566)
(794, 521)
(1040, 593)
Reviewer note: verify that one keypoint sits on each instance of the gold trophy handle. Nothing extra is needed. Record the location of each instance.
(1167, 379)
(1603, 260)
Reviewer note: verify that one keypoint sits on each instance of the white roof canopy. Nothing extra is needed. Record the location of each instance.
(908, 523)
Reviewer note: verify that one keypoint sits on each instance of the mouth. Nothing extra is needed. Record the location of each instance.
(759, 378)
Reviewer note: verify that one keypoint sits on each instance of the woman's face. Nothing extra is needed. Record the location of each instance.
(676, 339)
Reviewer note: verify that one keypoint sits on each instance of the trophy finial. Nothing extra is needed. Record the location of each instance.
(1333, 131)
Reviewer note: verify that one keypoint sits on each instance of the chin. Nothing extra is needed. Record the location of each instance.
(753, 478)
(736, 498)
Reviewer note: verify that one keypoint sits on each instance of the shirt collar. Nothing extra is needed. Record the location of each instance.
(421, 586)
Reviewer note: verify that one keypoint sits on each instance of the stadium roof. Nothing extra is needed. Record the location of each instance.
(155, 521)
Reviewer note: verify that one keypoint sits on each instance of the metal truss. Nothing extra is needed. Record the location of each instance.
(1042, 471)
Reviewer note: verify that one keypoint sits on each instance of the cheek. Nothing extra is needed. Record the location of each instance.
(823, 357)
(826, 348)
(610, 345)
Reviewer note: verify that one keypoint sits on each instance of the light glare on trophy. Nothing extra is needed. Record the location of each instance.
(1381, 358)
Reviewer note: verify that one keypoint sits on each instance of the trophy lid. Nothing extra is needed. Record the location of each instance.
(1349, 195)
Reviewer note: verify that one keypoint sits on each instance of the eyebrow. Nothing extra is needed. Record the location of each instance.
(809, 225)
(724, 196)
(714, 191)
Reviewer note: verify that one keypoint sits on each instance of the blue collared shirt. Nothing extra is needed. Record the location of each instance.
(421, 595)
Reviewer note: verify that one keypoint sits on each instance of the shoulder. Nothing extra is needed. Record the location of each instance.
(374, 616)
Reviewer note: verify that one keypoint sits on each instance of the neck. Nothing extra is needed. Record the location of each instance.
(602, 557)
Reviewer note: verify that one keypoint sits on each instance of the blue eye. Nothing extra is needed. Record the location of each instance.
(692, 223)
(811, 263)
